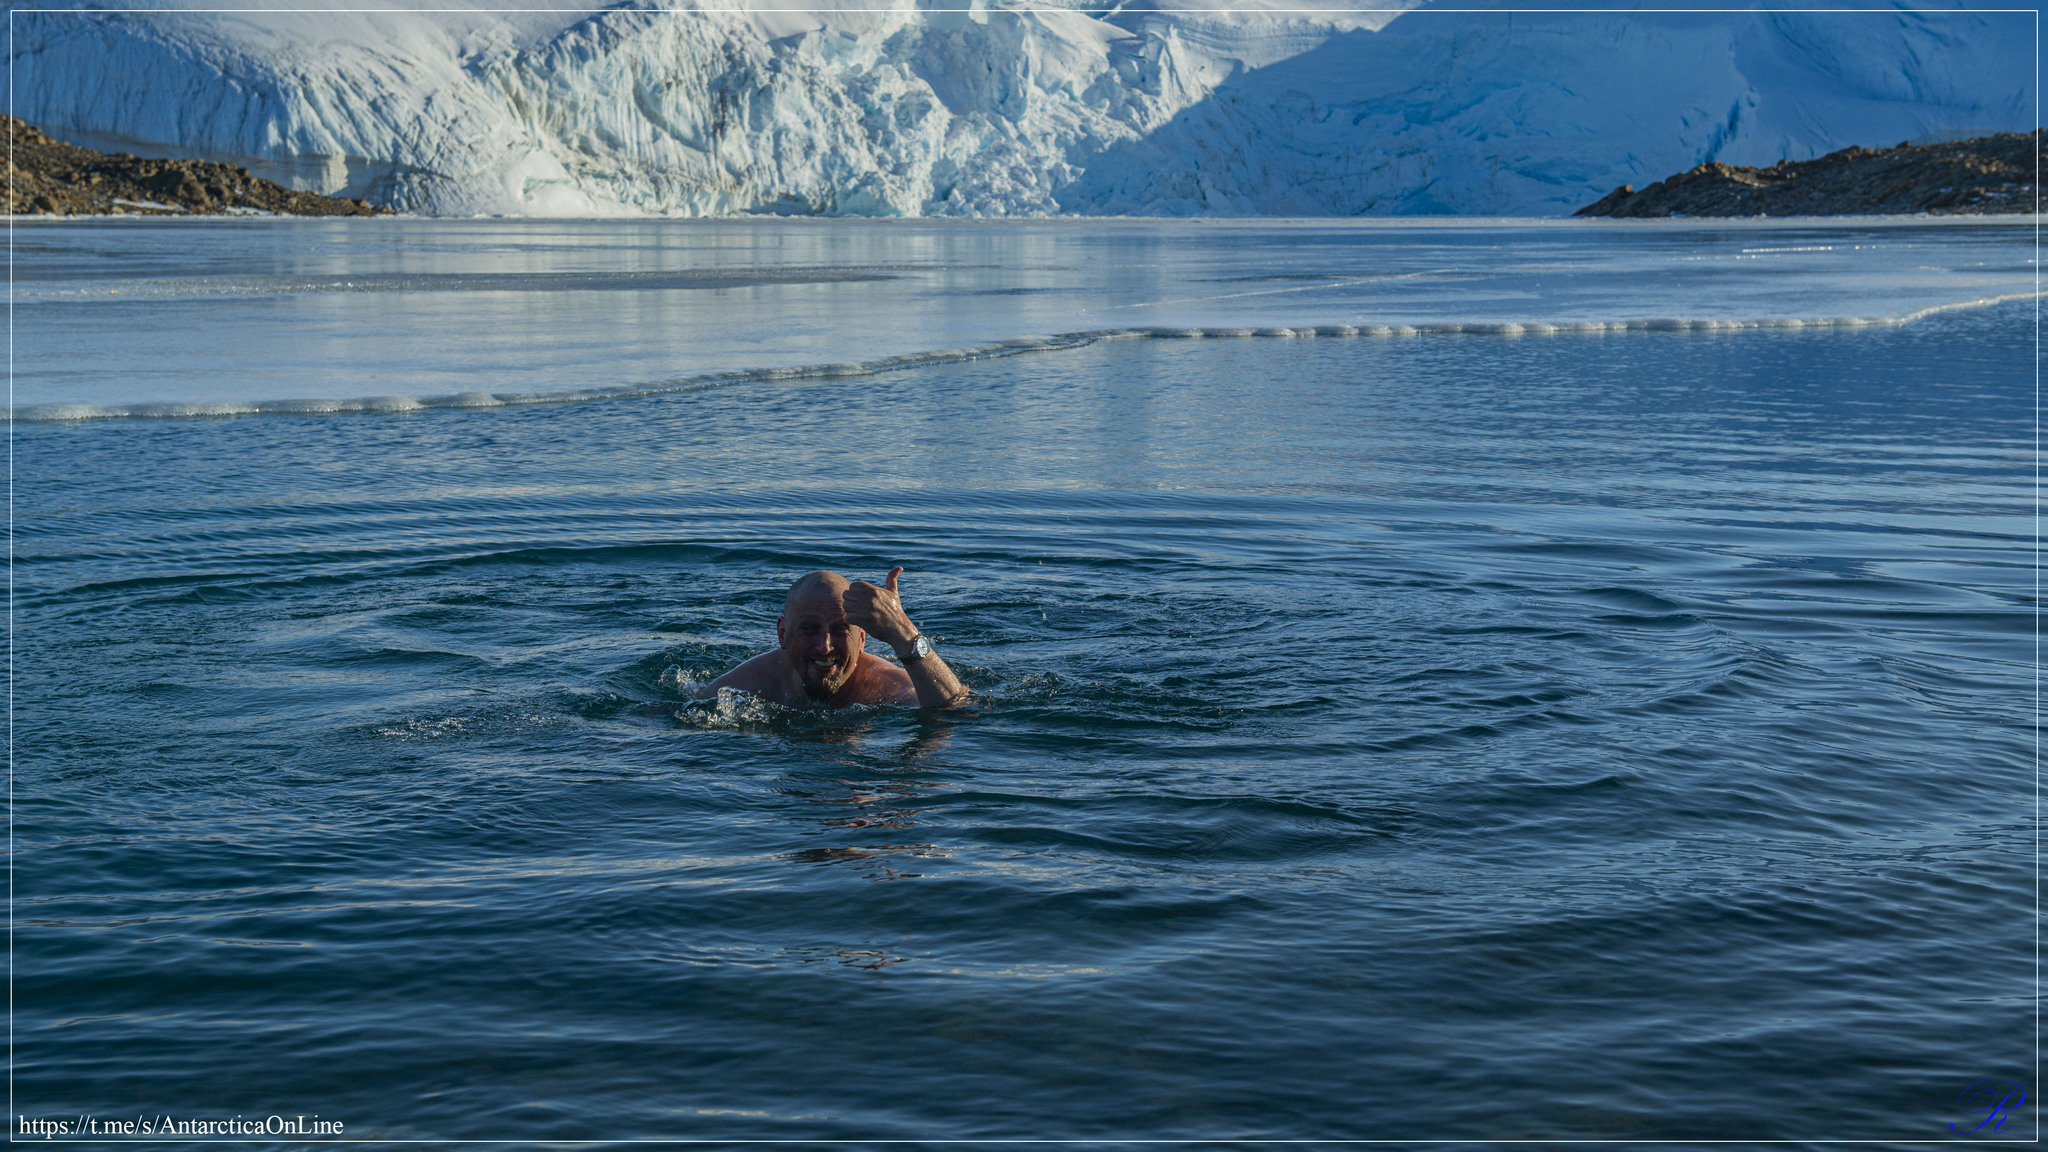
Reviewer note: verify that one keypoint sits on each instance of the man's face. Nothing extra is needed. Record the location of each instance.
(821, 645)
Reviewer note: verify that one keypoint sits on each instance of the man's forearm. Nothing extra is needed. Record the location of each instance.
(936, 685)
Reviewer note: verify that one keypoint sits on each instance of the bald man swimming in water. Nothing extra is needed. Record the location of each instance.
(822, 661)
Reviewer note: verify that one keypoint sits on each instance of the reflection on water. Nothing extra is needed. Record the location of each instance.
(868, 959)
(882, 799)
(115, 314)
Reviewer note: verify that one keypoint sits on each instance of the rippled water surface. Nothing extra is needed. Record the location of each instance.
(1466, 737)
(223, 315)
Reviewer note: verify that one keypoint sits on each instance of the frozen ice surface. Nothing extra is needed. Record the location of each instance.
(887, 109)
(197, 316)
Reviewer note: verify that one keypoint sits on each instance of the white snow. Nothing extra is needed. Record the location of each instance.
(886, 108)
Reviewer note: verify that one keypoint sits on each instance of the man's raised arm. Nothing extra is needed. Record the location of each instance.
(879, 612)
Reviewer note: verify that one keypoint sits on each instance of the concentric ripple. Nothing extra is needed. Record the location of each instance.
(1467, 739)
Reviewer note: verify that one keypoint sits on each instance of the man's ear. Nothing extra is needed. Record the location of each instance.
(780, 638)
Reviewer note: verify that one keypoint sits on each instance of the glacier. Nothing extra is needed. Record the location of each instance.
(965, 108)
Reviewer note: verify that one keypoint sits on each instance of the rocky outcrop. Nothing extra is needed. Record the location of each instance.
(51, 178)
(1985, 175)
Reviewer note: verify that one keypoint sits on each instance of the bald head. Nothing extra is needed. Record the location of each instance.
(815, 636)
(814, 586)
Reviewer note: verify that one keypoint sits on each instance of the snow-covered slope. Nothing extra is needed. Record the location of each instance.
(895, 109)
(1535, 113)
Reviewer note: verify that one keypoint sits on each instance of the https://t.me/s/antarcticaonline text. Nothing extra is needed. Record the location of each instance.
(162, 1126)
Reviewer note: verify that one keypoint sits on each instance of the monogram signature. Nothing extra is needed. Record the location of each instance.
(1992, 1101)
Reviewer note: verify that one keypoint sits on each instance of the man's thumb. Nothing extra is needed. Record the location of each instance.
(890, 583)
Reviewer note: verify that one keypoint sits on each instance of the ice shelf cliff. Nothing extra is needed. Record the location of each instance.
(897, 109)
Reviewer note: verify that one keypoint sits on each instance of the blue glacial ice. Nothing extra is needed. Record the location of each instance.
(892, 109)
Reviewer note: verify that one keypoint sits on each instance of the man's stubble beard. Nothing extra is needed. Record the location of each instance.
(821, 690)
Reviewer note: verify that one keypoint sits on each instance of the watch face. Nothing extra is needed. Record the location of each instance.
(922, 647)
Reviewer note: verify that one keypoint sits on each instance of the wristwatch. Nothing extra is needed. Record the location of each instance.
(919, 649)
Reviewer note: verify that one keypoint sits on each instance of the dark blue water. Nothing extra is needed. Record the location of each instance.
(1624, 736)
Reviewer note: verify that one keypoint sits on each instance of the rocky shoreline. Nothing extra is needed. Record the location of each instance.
(47, 177)
(1991, 174)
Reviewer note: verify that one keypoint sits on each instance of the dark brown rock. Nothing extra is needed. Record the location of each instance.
(47, 177)
(1986, 175)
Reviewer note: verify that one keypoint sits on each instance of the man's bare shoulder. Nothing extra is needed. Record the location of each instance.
(885, 683)
(762, 675)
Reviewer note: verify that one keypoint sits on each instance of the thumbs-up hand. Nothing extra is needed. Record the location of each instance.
(879, 611)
